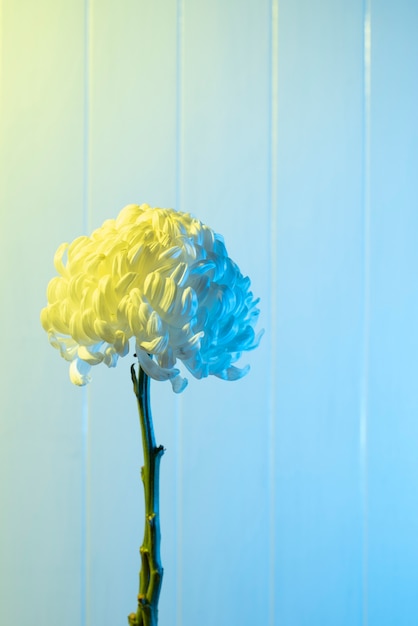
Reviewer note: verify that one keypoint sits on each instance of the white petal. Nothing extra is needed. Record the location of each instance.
(79, 372)
(91, 355)
(110, 357)
(233, 373)
(179, 383)
(156, 345)
(66, 345)
(152, 368)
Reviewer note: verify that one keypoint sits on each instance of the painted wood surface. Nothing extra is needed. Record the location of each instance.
(319, 316)
(393, 301)
(287, 498)
(41, 191)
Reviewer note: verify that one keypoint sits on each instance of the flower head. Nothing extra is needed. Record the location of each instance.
(161, 277)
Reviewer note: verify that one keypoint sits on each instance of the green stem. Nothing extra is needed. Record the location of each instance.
(151, 573)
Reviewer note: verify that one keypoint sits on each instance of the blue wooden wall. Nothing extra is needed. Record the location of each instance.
(289, 498)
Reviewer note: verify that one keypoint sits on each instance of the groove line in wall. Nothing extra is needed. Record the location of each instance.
(274, 52)
(366, 305)
(85, 393)
(178, 403)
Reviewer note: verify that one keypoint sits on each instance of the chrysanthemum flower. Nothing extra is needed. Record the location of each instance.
(161, 277)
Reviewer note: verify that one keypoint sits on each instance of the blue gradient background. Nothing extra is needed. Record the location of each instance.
(289, 498)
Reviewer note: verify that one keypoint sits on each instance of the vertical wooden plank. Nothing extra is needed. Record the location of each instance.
(320, 308)
(393, 398)
(41, 192)
(132, 160)
(225, 183)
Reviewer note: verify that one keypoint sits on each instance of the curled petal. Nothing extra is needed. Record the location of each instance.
(136, 323)
(144, 313)
(57, 289)
(53, 318)
(233, 373)
(87, 321)
(58, 259)
(152, 368)
(178, 383)
(180, 274)
(104, 330)
(66, 345)
(46, 325)
(156, 345)
(79, 372)
(126, 283)
(121, 343)
(189, 303)
(171, 253)
(92, 356)
(166, 358)
(229, 331)
(203, 267)
(154, 325)
(110, 357)
(77, 330)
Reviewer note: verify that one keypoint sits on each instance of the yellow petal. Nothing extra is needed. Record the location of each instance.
(58, 262)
